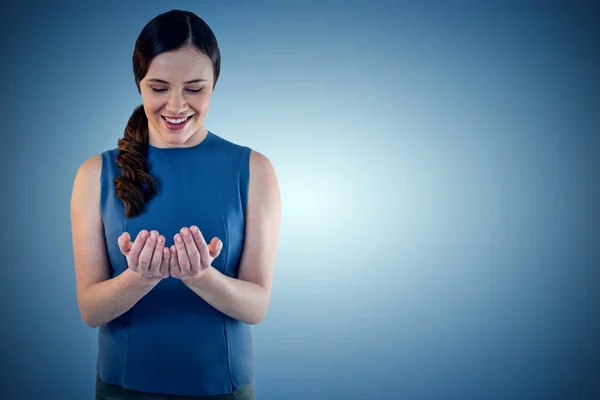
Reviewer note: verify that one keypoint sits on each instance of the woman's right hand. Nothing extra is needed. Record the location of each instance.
(147, 254)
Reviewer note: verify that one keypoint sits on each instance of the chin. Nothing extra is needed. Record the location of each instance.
(175, 138)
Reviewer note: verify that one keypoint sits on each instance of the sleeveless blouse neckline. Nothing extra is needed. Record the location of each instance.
(172, 150)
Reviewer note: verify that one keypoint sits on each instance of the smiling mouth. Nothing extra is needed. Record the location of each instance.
(176, 124)
(176, 119)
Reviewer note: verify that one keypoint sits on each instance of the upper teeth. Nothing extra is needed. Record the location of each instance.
(175, 121)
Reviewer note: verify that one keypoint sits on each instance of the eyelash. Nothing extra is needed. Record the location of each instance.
(189, 90)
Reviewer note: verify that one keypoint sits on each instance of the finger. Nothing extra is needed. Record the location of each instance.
(137, 247)
(192, 251)
(182, 257)
(157, 256)
(174, 268)
(215, 247)
(124, 242)
(201, 245)
(147, 252)
(166, 259)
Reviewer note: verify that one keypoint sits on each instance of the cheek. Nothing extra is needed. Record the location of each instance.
(201, 103)
(152, 104)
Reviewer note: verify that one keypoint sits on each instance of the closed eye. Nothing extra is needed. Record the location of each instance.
(163, 90)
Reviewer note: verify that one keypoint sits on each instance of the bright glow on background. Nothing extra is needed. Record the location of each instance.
(438, 167)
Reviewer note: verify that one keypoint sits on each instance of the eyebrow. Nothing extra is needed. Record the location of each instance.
(165, 82)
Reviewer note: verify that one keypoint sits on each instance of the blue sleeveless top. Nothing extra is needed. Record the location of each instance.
(172, 341)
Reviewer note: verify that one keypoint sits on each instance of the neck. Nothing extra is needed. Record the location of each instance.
(156, 140)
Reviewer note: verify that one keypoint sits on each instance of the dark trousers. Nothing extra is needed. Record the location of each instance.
(105, 391)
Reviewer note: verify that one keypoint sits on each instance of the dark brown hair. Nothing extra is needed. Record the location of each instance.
(166, 32)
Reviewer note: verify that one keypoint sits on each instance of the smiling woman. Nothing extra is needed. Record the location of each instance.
(174, 319)
(175, 105)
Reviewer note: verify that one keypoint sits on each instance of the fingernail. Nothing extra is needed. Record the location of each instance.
(178, 238)
(186, 232)
(144, 235)
(153, 236)
(195, 229)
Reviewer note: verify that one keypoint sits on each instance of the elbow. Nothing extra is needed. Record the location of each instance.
(92, 325)
(86, 312)
(88, 317)
(259, 316)
(89, 321)
(254, 320)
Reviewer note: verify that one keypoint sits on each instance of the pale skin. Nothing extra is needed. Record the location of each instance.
(246, 297)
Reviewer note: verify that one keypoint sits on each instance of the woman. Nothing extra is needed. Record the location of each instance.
(175, 233)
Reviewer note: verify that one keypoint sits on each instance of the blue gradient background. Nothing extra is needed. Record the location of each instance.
(439, 171)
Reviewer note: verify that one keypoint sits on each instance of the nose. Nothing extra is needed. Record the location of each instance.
(176, 103)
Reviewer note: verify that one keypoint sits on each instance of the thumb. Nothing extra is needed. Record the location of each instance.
(124, 242)
(215, 247)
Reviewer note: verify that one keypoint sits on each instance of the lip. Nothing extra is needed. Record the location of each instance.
(176, 116)
(176, 127)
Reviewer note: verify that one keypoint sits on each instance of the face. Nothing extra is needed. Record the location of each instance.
(176, 94)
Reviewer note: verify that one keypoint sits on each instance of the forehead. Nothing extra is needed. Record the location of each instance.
(180, 65)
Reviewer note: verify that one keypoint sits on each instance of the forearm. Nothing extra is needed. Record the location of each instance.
(239, 299)
(104, 301)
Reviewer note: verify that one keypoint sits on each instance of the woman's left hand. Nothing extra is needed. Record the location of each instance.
(191, 256)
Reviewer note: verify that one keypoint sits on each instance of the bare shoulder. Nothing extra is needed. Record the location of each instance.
(262, 223)
(86, 187)
(87, 182)
(91, 168)
(263, 187)
(261, 169)
(91, 261)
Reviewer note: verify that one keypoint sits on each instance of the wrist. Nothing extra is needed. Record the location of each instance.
(141, 280)
(202, 280)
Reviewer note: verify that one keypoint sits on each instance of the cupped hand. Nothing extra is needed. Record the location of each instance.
(147, 255)
(191, 256)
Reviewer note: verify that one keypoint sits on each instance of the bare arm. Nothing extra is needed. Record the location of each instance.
(241, 300)
(100, 299)
(247, 297)
(104, 301)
